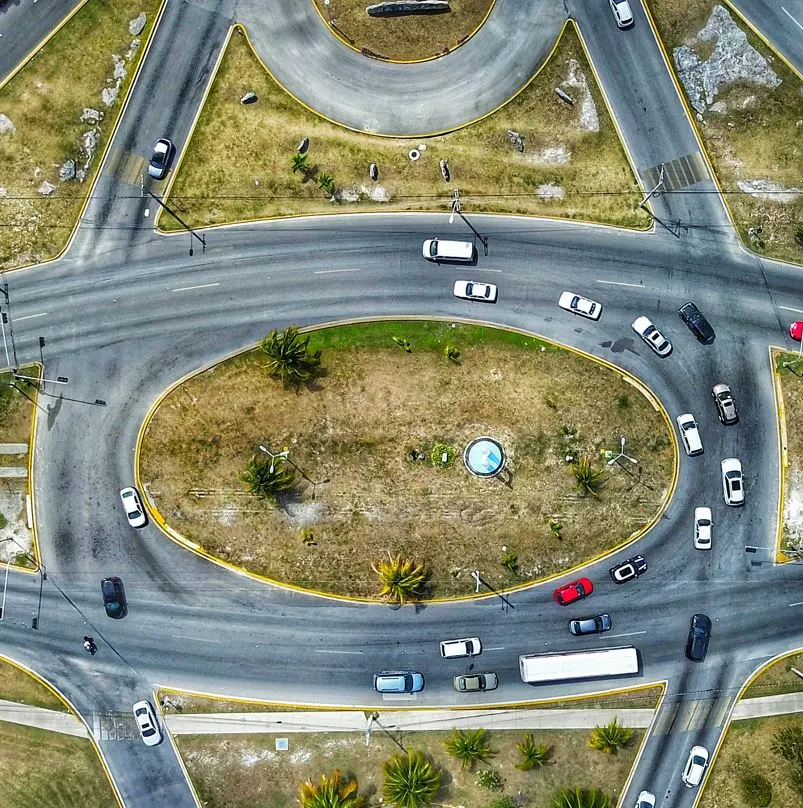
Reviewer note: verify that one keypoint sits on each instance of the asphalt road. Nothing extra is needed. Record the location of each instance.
(125, 313)
(780, 22)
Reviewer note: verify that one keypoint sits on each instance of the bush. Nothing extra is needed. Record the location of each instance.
(511, 562)
(799, 235)
(623, 402)
(437, 454)
(469, 746)
(3, 520)
(503, 802)
(610, 738)
(788, 743)
(490, 779)
(756, 790)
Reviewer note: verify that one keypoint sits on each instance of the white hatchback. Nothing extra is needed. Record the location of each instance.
(702, 528)
(695, 766)
(622, 13)
(473, 290)
(134, 511)
(577, 304)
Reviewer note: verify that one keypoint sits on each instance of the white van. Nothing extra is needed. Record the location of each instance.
(470, 646)
(689, 434)
(438, 249)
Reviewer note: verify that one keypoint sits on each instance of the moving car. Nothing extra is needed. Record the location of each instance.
(652, 336)
(475, 682)
(695, 766)
(622, 13)
(470, 646)
(441, 249)
(147, 724)
(473, 290)
(732, 481)
(646, 799)
(590, 625)
(702, 528)
(580, 305)
(796, 330)
(398, 682)
(113, 597)
(575, 590)
(699, 635)
(726, 406)
(627, 570)
(689, 434)
(697, 323)
(163, 151)
(132, 505)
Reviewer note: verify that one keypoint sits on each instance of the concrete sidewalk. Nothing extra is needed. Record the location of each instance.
(42, 718)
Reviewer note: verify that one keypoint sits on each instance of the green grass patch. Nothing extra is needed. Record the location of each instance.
(16, 410)
(492, 176)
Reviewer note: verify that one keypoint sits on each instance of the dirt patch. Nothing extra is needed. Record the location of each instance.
(356, 428)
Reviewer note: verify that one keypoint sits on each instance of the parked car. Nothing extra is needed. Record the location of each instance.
(132, 505)
(627, 570)
(622, 13)
(575, 590)
(646, 799)
(689, 434)
(147, 724)
(398, 682)
(113, 597)
(470, 646)
(796, 330)
(732, 481)
(580, 305)
(697, 323)
(695, 766)
(652, 336)
(590, 625)
(702, 529)
(473, 290)
(475, 682)
(699, 635)
(726, 406)
(163, 151)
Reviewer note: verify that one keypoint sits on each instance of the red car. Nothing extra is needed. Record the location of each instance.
(575, 590)
(796, 330)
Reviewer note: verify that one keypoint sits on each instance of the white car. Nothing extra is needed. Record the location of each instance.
(732, 481)
(652, 336)
(689, 434)
(646, 799)
(702, 528)
(473, 290)
(580, 305)
(452, 649)
(622, 13)
(146, 723)
(163, 151)
(695, 766)
(134, 511)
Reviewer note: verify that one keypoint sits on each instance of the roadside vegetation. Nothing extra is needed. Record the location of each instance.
(565, 170)
(44, 104)
(752, 132)
(18, 686)
(779, 678)
(789, 367)
(405, 38)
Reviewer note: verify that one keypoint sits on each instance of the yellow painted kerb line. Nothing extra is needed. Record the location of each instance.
(783, 449)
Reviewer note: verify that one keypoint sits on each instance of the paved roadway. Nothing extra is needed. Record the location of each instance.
(780, 22)
(122, 320)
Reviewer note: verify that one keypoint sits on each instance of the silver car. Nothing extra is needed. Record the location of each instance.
(163, 151)
(475, 682)
(726, 406)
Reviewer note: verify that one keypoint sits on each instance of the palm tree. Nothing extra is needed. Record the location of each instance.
(411, 780)
(580, 798)
(334, 791)
(268, 479)
(588, 480)
(299, 162)
(289, 356)
(402, 579)
(610, 737)
(533, 755)
(469, 746)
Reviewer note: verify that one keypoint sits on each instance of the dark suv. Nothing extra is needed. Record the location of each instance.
(699, 635)
(697, 323)
(114, 597)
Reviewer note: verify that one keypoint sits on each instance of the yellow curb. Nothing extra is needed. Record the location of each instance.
(762, 668)
(335, 32)
(199, 550)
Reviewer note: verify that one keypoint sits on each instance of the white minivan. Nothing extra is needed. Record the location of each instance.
(689, 434)
(439, 249)
(470, 646)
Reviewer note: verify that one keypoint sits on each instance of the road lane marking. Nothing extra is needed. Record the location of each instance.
(197, 639)
(629, 634)
(618, 283)
(799, 603)
(789, 308)
(494, 648)
(333, 271)
(190, 288)
(334, 651)
(792, 18)
(29, 317)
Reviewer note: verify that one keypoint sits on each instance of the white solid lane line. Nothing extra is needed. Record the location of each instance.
(799, 603)
(789, 308)
(334, 651)
(333, 271)
(629, 634)
(792, 18)
(29, 317)
(195, 639)
(617, 283)
(190, 288)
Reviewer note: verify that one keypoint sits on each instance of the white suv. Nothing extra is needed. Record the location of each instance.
(470, 646)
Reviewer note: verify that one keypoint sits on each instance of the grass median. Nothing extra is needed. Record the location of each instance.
(789, 368)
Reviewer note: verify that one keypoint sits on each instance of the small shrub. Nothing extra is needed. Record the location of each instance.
(610, 738)
(756, 790)
(623, 402)
(504, 802)
(533, 755)
(3, 520)
(411, 780)
(403, 342)
(580, 798)
(799, 235)
(788, 743)
(555, 528)
(402, 579)
(550, 403)
(305, 534)
(326, 182)
(588, 481)
(567, 431)
(452, 353)
(439, 451)
(511, 562)
(490, 779)
(469, 746)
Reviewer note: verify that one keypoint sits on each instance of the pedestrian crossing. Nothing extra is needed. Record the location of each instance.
(678, 173)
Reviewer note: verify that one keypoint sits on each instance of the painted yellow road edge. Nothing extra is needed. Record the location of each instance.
(177, 537)
(648, 228)
(102, 159)
(335, 32)
(783, 449)
(74, 710)
(762, 668)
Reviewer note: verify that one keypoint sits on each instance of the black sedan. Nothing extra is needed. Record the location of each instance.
(114, 597)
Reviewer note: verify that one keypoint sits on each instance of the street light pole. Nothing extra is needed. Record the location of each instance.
(274, 457)
(457, 209)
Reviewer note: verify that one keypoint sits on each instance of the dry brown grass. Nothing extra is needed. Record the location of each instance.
(404, 38)
(45, 101)
(16, 411)
(778, 678)
(234, 771)
(210, 188)
(356, 427)
(18, 686)
(760, 136)
(792, 393)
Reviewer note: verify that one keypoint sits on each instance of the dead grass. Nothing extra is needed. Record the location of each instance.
(44, 102)
(18, 686)
(404, 38)
(746, 750)
(760, 136)
(16, 411)
(492, 176)
(356, 427)
(235, 771)
(792, 391)
(778, 679)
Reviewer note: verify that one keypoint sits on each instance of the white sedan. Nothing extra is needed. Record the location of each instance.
(147, 724)
(132, 505)
(622, 13)
(652, 336)
(473, 290)
(732, 481)
(702, 528)
(695, 767)
(577, 304)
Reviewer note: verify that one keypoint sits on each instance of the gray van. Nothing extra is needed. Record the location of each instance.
(697, 323)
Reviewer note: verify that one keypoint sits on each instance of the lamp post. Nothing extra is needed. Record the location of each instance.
(285, 455)
(274, 457)
(40, 568)
(457, 210)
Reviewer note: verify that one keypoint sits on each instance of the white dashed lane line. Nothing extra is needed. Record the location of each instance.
(619, 283)
(30, 317)
(792, 18)
(191, 288)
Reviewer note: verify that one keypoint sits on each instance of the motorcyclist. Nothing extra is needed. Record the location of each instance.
(89, 645)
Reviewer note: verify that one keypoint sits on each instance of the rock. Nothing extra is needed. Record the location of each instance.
(109, 95)
(516, 139)
(398, 8)
(137, 25)
(589, 119)
(769, 191)
(249, 98)
(373, 172)
(3, 191)
(550, 192)
(551, 155)
(720, 107)
(346, 195)
(119, 67)
(89, 142)
(90, 115)
(564, 96)
(67, 171)
(135, 43)
(303, 145)
(376, 194)
(445, 170)
(6, 125)
(46, 188)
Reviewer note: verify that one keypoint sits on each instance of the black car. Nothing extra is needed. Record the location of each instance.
(697, 323)
(114, 597)
(699, 635)
(627, 570)
(590, 625)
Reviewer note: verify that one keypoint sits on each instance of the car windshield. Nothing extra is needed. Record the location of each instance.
(697, 760)
(704, 522)
(433, 247)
